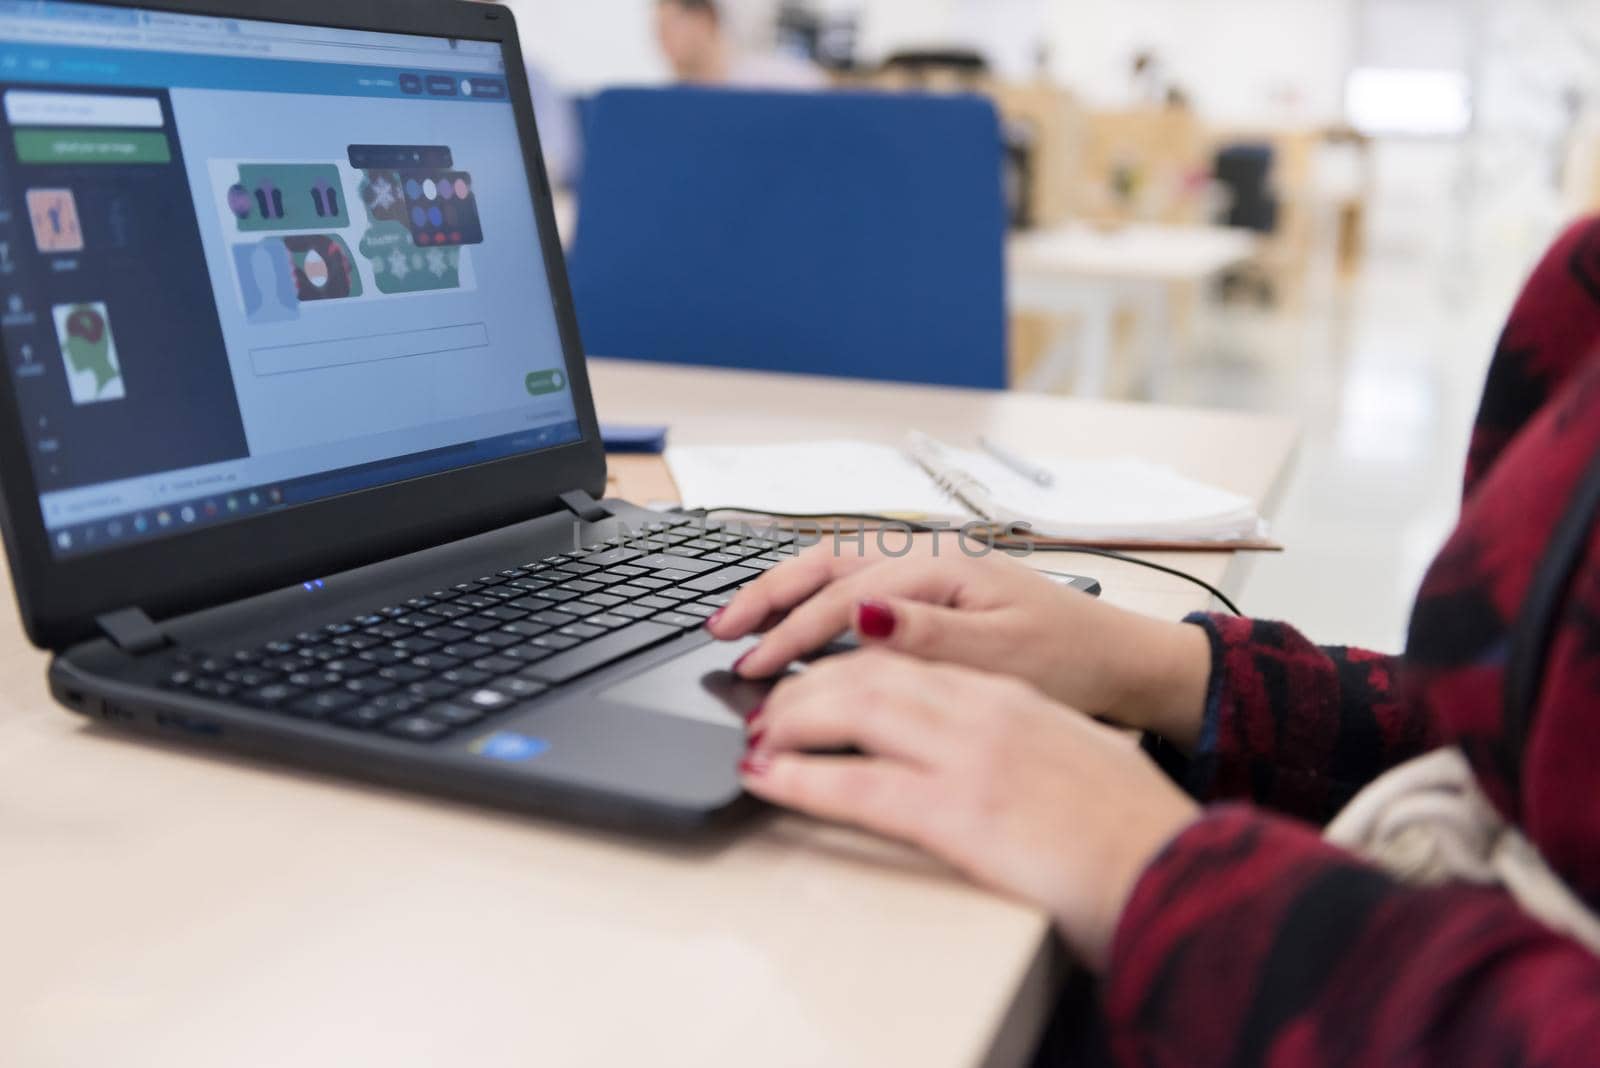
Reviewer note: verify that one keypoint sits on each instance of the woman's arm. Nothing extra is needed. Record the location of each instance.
(1249, 941)
(1262, 712)
(1222, 939)
(1297, 727)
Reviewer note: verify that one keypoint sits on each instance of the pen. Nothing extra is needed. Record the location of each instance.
(1032, 472)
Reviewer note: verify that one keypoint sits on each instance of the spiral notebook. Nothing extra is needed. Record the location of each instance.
(1116, 503)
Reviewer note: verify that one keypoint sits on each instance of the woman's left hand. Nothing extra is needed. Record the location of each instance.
(983, 772)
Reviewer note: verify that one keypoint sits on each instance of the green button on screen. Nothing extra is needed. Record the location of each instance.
(542, 382)
(92, 146)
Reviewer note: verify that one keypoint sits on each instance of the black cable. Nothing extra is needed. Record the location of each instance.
(998, 543)
(1111, 554)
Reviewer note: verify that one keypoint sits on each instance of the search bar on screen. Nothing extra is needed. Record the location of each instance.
(314, 355)
(25, 108)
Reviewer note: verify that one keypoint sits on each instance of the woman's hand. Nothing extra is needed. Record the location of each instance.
(991, 613)
(983, 772)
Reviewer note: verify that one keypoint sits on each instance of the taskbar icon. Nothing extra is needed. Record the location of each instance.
(133, 526)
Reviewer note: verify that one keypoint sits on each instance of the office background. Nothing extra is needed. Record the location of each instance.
(1427, 150)
(1287, 214)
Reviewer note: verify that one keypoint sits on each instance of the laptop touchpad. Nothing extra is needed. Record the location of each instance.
(701, 684)
(698, 685)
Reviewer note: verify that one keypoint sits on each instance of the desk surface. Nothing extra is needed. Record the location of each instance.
(159, 907)
(1139, 252)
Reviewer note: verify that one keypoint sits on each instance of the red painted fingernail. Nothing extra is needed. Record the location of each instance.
(755, 715)
(718, 614)
(755, 766)
(875, 620)
(755, 740)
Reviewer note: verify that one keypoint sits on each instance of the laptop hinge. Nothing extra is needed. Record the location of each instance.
(132, 631)
(585, 507)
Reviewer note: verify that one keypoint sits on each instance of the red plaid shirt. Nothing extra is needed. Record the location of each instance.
(1251, 942)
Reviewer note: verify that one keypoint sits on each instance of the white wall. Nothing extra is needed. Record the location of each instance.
(1240, 59)
(1008, 32)
(586, 44)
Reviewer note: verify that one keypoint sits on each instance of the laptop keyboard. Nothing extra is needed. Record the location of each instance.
(448, 659)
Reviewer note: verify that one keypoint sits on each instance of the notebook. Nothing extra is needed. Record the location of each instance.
(1124, 502)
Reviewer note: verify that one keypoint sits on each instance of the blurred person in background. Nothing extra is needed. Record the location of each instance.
(698, 44)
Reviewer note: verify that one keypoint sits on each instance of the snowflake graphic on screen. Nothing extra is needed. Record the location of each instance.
(437, 263)
(398, 266)
(383, 194)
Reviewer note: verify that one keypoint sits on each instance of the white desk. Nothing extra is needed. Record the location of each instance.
(162, 908)
(1089, 274)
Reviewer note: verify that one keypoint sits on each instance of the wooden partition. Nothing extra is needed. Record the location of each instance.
(1580, 183)
(1144, 165)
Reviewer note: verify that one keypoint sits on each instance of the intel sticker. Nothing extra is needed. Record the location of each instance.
(510, 746)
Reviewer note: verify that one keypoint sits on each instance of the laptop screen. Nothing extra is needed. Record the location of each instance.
(248, 265)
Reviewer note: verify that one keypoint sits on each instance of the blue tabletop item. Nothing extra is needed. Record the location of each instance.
(640, 439)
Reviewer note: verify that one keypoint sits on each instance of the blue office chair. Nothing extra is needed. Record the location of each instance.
(849, 234)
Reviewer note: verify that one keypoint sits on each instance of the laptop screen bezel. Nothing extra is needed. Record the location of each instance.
(60, 599)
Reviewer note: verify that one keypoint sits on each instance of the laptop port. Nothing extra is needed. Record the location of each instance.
(194, 725)
(112, 711)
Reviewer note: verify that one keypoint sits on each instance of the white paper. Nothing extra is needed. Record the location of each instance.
(1105, 499)
(813, 478)
(1126, 497)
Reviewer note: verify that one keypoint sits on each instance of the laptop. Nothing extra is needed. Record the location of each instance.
(298, 456)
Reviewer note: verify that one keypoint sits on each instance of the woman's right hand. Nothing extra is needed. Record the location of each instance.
(990, 613)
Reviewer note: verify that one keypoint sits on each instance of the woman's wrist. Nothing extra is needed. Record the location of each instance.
(1162, 677)
(1148, 829)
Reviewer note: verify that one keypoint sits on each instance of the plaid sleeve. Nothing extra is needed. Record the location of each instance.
(1551, 336)
(1249, 941)
(1297, 727)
